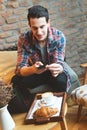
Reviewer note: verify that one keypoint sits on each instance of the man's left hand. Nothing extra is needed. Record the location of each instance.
(55, 69)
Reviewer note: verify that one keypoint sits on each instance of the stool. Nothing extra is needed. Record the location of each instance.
(80, 94)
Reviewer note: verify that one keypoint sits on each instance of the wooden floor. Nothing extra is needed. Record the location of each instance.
(70, 118)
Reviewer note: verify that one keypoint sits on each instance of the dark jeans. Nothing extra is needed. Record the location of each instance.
(58, 83)
(20, 84)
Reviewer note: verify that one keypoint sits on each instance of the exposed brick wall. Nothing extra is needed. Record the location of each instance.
(70, 16)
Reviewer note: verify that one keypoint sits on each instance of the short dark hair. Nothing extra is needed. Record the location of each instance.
(38, 11)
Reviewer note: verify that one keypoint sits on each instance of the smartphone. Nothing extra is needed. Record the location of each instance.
(41, 67)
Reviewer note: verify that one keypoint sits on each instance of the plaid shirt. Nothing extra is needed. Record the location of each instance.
(29, 50)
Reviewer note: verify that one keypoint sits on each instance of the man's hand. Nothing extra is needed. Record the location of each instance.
(55, 69)
(29, 70)
(40, 68)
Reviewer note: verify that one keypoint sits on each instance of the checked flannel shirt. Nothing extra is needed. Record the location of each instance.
(28, 49)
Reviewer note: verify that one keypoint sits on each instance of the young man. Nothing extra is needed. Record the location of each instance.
(41, 53)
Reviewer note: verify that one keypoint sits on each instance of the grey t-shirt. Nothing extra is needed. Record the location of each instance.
(44, 54)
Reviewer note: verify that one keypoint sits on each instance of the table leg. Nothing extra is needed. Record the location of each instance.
(63, 124)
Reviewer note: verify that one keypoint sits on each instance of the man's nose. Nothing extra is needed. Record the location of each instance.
(38, 31)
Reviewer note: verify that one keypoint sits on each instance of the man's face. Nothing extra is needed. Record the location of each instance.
(39, 27)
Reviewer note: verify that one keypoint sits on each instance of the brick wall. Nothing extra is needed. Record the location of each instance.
(70, 16)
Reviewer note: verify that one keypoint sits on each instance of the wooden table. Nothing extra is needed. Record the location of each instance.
(21, 125)
(19, 121)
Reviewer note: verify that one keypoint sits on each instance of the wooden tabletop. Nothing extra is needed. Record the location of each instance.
(19, 120)
(19, 123)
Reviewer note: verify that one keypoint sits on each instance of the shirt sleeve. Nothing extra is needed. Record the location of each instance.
(22, 55)
(61, 46)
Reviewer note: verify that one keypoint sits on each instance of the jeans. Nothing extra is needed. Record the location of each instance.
(21, 84)
(59, 83)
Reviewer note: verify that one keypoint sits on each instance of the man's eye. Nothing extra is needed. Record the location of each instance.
(35, 28)
(42, 27)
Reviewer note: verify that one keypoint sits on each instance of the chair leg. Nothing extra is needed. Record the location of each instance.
(79, 112)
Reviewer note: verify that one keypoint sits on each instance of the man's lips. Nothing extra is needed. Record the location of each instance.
(40, 36)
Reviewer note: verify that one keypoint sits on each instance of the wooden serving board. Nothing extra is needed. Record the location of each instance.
(60, 103)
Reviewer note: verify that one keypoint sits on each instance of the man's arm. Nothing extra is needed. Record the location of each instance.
(61, 48)
(26, 71)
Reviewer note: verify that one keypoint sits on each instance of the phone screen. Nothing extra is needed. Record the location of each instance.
(41, 67)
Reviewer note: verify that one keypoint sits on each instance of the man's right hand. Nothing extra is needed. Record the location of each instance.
(34, 69)
(40, 68)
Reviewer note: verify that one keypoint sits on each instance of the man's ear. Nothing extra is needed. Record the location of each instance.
(29, 24)
(49, 23)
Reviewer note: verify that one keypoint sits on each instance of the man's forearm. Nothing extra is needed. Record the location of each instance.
(26, 71)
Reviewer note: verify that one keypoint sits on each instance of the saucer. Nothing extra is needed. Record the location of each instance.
(48, 101)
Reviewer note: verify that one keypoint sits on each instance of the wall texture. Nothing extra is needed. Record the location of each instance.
(69, 16)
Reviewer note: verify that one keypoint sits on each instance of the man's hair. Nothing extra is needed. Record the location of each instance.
(38, 11)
